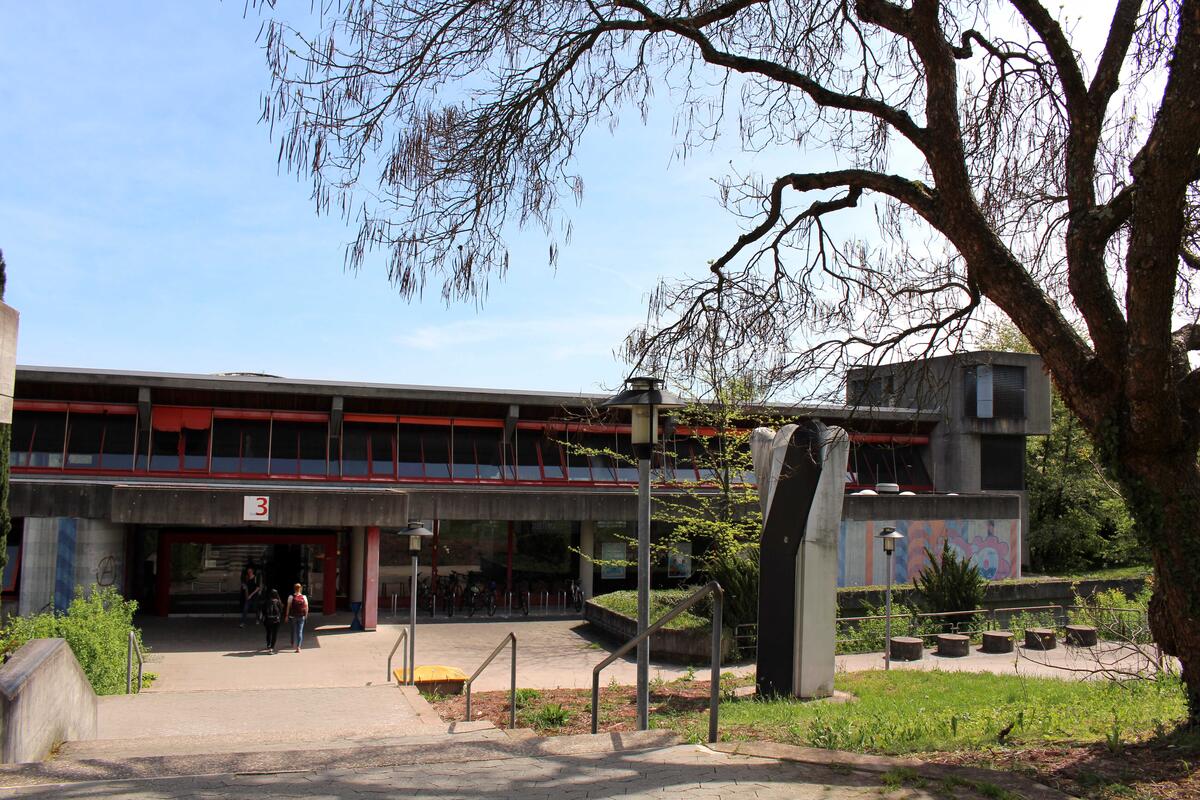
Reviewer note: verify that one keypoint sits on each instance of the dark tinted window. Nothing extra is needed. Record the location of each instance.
(120, 431)
(1002, 462)
(240, 445)
(37, 438)
(298, 448)
(527, 456)
(435, 449)
(408, 446)
(1008, 392)
(85, 435)
(464, 454)
(884, 463)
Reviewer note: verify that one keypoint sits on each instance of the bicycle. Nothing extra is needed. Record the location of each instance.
(576, 596)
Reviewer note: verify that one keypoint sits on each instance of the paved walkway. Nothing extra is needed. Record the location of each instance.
(190, 654)
(570, 768)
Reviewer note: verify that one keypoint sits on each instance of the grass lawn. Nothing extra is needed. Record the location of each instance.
(661, 601)
(1091, 739)
(908, 711)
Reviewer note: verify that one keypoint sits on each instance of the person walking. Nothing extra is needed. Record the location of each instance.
(297, 612)
(250, 590)
(272, 614)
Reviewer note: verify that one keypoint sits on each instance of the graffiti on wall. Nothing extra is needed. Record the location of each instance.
(993, 545)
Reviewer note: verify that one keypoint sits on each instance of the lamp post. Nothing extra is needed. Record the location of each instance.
(643, 396)
(415, 532)
(889, 536)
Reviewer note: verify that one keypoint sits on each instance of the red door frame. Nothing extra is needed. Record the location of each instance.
(253, 536)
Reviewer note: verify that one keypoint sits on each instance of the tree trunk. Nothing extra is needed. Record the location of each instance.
(1166, 505)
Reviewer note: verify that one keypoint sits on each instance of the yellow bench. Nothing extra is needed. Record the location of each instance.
(435, 679)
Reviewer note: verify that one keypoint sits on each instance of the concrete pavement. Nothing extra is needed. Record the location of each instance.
(503, 766)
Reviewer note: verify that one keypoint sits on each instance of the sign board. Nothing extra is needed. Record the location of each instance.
(256, 508)
(8, 360)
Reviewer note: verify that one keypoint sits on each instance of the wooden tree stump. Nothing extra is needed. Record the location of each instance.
(907, 648)
(1040, 639)
(1082, 635)
(954, 645)
(997, 641)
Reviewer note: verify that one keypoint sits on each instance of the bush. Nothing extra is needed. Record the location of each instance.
(549, 717)
(1115, 617)
(661, 601)
(96, 627)
(868, 635)
(950, 583)
(738, 576)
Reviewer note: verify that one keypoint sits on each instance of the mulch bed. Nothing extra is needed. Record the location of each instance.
(1160, 769)
(618, 707)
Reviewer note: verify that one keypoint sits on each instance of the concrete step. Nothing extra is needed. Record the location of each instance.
(474, 745)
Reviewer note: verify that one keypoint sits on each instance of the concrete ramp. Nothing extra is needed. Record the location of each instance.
(256, 720)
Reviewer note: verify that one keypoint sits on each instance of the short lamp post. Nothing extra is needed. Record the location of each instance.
(889, 536)
(643, 396)
(415, 532)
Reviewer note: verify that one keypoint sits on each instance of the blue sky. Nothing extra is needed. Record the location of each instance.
(146, 226)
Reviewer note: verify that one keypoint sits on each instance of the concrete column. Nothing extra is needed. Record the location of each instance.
(816, 575)
(587, 546)
(99, 554)
(357, 539)
(370, 609)
(39, 555)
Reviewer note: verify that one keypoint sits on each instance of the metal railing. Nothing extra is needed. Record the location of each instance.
(409, 669)
(718, 594)
(512, 690)
(134, 649)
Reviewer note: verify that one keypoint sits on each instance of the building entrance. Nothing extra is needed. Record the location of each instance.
(201, 572)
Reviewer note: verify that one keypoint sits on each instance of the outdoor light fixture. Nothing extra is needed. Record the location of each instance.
(889, 536)
(416, 533)
(643, 396)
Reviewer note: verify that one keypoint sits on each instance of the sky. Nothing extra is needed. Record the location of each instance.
(146, 225)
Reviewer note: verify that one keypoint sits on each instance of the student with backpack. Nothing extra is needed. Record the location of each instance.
(297, 612)
(272, 614)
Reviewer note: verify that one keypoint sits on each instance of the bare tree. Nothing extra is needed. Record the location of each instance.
(1056, 184)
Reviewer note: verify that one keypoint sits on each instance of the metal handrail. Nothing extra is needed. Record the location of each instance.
(404, 661)
(512, 691)
(134, 648)
(713, 588)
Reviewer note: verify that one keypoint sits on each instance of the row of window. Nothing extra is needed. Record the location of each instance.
(196, 440)
(201, 441)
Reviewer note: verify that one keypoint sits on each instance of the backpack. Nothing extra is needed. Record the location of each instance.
(299, 605)
(273, 613)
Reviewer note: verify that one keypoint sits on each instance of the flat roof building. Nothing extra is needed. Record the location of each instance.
(167, 486)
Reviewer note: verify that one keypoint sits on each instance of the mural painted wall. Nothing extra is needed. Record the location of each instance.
(993, 545)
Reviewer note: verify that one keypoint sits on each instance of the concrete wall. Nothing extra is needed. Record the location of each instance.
(519, 505)
(984, 528)
(45, 699)
(61, 553)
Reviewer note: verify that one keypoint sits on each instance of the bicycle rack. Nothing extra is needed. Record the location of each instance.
(409, 669)
(134, 648)
(713, 588)
(512, 691)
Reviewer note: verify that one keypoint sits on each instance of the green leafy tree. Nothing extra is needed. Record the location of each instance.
(1078, 518)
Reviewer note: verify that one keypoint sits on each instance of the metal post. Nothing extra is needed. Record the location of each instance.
(718, 606)
(512, 688)
(129, 666)
(887, 625)
(412, 626)
(643, 578)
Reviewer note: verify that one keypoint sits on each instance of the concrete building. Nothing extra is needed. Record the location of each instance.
(168, 486)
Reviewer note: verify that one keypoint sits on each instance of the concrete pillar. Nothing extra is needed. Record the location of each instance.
(357, 539)
(39, 554)
(99, 554)
(370, 609)
(587, 546)
(816, 574)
